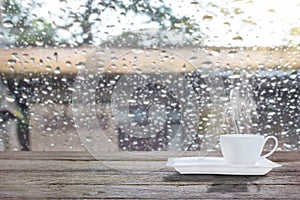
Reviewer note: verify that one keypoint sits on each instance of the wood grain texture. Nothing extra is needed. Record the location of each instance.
(73, 175)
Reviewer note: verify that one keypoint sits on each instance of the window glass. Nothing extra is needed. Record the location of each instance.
(151, 76)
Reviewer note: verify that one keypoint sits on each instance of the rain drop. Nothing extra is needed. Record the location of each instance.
(11, 68)
(10, 98)
(207, 64)
(238, 38)
(8, 24)
(57, 70)
(68, 63)
(207, 17)
(89, 139)
(48, 68)
(234, 76)
(11, 62)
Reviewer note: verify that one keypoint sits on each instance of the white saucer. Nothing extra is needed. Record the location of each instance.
(217, 165)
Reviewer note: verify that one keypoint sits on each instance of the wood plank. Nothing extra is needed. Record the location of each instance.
(147, 178)
(46, 165)
(116, 155)
(78, 175)
(74, 161)
(279, 156)
(244, 191)
(121, 185)
(45, 155)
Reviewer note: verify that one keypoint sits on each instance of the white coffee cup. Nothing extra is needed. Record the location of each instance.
(244, 149)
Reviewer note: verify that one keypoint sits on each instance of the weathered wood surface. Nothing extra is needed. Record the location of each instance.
(71, 175)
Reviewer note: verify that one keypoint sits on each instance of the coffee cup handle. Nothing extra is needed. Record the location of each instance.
(274, 148)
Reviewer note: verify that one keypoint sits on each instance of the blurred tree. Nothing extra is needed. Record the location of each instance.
(158, 13)
(23, 27)
(26, 28)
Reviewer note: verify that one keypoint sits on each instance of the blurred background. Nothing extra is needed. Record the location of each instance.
(43, 44)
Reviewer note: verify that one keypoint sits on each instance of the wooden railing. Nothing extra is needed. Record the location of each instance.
(50, 60)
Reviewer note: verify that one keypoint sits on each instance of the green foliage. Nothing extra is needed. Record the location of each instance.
(38, 33)
(161, 14)
(11, 8)
(25, 28)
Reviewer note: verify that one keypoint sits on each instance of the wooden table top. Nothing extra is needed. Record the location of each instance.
(74, 175)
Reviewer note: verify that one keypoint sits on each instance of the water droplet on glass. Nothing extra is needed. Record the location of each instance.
(11, 68)
(39, 43)
(57, 70)
(207, 17)
(226, 24)
(8, 24)
(68, 63)
(10, 98)
(48, 68)
(89, 139)
(11, 62)
(271, 11)
(207, 64)
(238, 38)
(293, 76)
(261, 65)
(234, 76)
(56, 56)
(80, 65)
